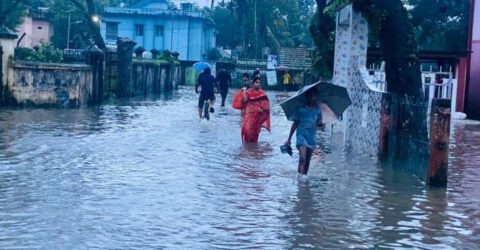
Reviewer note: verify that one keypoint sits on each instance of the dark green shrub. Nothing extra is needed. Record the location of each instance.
(139, 51)
(175, 55)
(25, 54)
(213, 54)
(43, 53)
(155, 53)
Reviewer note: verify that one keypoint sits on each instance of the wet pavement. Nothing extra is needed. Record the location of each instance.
(148, 174)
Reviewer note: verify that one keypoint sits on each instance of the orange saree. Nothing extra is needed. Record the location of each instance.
(256, 115)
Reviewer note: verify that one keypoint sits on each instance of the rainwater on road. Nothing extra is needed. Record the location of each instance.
(148, 174)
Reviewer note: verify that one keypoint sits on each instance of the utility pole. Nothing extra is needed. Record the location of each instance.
(68, 30)
(94, 18)
(255, 27)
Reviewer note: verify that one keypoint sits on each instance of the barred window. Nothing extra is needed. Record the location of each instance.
(112, 31)
(158, 30)
(138, 29)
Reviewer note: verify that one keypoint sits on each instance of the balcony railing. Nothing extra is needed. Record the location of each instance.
(152, 12)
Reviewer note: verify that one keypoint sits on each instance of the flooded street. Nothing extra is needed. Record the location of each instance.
(148, 174)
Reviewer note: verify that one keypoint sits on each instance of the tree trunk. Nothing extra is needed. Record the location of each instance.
(93, 27)
(399, 50)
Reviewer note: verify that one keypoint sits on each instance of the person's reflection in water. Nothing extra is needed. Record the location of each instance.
(255, 151)
(254, 155)
(304, 220)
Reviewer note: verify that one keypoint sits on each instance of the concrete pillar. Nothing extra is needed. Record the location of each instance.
(439, 142)
(96, 58)
(124, 55)
(387, 121)
(7, 45)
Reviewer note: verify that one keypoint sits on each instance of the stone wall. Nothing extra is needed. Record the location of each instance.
(50, 84)
(148, 78)
(7, 47)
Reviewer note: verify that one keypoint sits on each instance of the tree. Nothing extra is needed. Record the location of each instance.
(397, 43)
(12, 12)
(390, 22)
(89, 13)
(441, 25)
(227, 27)
(322, 30)
(270, 23)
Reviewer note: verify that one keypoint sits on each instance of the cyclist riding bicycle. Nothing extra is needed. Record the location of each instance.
(208, 87)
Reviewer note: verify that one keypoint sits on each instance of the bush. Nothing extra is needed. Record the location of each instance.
(49, 54)
(213, 54)
(155, 53)
(26, 54)
(139, 51)
(175, 55)
(167, 54)
(43, 53)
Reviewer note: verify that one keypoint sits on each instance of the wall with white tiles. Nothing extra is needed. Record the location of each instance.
(362, 118)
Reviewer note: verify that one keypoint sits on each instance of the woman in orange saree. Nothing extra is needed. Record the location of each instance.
(255, 108)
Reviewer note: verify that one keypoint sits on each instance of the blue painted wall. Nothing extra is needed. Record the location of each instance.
(189, 33)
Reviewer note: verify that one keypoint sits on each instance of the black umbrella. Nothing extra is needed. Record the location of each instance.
(334, 100)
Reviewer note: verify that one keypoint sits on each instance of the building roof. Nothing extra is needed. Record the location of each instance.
(7, 33)
(152, 4)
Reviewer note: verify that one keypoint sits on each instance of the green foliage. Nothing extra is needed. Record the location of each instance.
(139, 51)
(12, 12)
(335, 5)
(25, 54)
(322, 30)
(227, 27)
(167, 54)
(264, 23)
(43, 53)
(441, 25)
(78, 31)
(374, 17)
(49, 54)
(213, 54)
(175, 55)
(155, 53)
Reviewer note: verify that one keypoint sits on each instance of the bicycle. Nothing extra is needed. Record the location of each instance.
(207, 109)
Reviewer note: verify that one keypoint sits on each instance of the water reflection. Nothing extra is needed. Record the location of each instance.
(145, 173)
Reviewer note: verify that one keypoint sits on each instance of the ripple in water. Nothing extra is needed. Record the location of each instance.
(148, 174)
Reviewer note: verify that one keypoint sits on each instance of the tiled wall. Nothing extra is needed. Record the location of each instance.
(362, 118)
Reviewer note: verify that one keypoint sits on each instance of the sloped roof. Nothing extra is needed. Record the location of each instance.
(7, 33)
(153, 4)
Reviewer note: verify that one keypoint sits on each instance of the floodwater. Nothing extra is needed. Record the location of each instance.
(148, 174)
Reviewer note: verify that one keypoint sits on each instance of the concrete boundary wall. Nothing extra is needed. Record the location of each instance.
(50, 84)
(151, 78)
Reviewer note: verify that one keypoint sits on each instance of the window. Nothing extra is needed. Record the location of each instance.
(112, 31)
(138, 30)
(158, 30)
